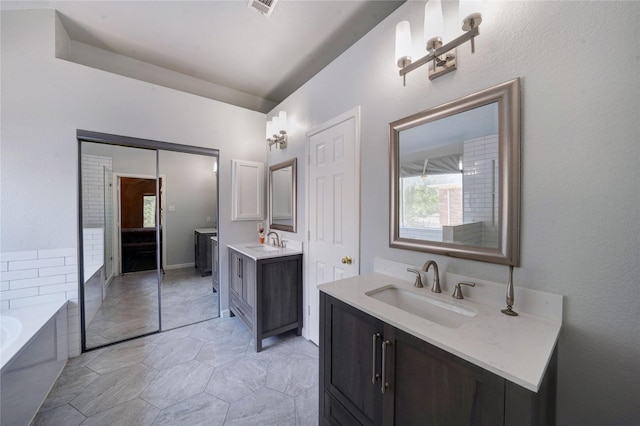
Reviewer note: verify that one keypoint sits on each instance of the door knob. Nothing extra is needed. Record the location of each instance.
(347, 260)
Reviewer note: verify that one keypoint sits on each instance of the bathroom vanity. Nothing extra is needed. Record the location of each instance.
(202, 249)
(266, 289)
(383, 362)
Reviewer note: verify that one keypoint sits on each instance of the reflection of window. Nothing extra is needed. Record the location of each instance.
(149, 211)
(432, 201)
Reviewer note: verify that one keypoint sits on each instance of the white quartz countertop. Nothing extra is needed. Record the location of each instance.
(255, 250)
(206, 230)
(515, 348)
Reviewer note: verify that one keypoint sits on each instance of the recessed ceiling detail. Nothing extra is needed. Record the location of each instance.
(221, 50)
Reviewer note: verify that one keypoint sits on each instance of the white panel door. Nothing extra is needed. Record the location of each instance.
(333, 200)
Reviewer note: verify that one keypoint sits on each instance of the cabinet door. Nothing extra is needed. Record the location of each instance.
(350, 358)
(235, 272)
(428, 386)
(247, 190)
(206, 257)
(249, 281)
(214, 264)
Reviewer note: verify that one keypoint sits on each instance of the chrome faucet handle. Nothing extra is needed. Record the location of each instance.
(283, 243)
(457, 291)
(418, 282)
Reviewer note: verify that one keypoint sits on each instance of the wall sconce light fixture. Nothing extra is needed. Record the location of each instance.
(277, 131)
(442, 57)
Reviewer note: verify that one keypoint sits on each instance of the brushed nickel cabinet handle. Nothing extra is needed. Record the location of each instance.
(374, 375)
(384, 385)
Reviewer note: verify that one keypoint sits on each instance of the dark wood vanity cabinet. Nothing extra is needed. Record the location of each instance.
(425, 385)
(202, 249)
(266, 294)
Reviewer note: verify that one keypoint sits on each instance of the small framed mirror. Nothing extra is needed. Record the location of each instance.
(282, 195)
(455, 177)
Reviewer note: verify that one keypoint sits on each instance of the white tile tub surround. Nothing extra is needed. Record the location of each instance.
(36, 277)
(93, 250)
(32, 362)
(93, 188)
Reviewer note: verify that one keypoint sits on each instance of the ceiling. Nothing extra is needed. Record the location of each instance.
(227, 50)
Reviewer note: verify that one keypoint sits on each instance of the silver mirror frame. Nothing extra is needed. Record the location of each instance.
(508, 252)
(294, 198)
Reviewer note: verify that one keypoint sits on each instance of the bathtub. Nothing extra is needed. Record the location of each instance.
(33, 352)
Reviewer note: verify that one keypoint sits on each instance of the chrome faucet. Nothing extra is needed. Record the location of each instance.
(436, 276)
(277, 238)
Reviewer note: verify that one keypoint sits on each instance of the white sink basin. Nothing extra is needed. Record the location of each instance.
(263, 248)
(450, 315)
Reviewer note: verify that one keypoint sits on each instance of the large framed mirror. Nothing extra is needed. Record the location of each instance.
(455, 177)
(282, 196)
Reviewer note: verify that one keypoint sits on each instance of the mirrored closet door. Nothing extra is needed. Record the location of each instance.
(119, 236)
(190, 221)
(148, 212)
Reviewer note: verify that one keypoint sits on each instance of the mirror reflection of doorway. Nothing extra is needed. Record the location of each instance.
(138, 215)
(138, 239)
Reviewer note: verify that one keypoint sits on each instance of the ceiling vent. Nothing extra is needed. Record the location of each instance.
(263, 6)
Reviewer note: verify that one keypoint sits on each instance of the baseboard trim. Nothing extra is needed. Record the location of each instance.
(180, 266)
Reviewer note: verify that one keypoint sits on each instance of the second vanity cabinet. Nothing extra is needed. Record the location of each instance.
(202, 249)
(266, 294)
(375, 374)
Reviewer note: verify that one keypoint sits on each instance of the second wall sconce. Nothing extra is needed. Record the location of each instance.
(442, 57)
(277, 131)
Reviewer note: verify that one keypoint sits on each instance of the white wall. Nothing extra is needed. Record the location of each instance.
(189, 187)
(579, 64)
(44, 100)
(192, 194)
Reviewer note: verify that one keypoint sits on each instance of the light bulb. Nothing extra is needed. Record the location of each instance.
(282, 121)
(403, 44)
(269, 129)
(433, 24)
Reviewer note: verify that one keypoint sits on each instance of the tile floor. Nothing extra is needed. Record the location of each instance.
(202, 374)
(131, 306)
(187, 298)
